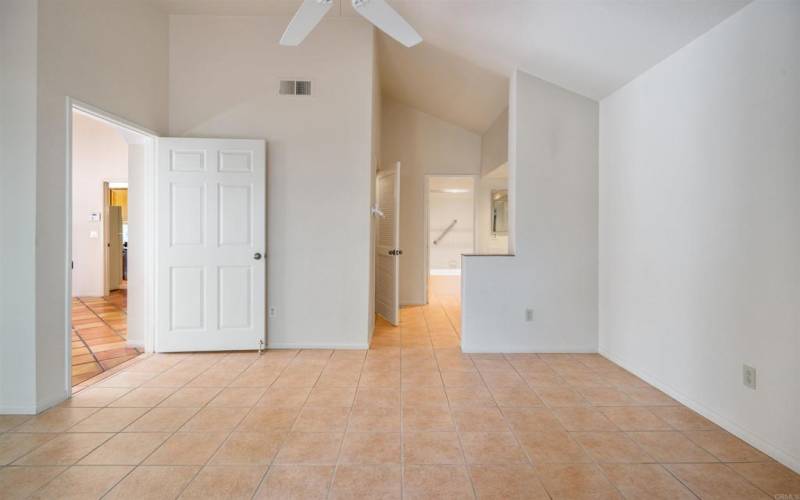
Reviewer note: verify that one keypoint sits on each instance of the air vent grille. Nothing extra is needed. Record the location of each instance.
(295, 87)
(302, 88)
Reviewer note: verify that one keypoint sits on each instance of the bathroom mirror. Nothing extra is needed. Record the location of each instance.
(499, 211)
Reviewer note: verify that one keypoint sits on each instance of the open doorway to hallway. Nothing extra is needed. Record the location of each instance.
(101, 159)
(450, 201)
(449, 232)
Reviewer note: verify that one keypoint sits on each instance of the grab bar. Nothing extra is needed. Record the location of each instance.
(444, 233)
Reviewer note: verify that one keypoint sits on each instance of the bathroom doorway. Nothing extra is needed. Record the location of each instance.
(450, 233)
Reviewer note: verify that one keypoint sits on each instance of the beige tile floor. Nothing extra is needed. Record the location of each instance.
(413, 417)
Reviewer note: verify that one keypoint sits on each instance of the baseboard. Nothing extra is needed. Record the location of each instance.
(51, 402)
(470, 349)
(281, 345)
(18, 410)
(754, 440)
(33, 409)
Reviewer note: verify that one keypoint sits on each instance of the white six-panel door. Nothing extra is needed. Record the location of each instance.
(387, 248)
(211, 240)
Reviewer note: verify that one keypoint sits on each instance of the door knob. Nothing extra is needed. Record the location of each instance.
(257, 256)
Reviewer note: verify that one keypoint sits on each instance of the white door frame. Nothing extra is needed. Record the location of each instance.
(148, 246)
(426, 244)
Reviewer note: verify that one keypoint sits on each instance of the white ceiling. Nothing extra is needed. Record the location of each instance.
(500, 172)
(591, 47)
(440, 183)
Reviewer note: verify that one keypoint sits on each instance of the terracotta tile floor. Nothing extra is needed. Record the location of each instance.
(445, 292)
(413, 417)
(99, 333)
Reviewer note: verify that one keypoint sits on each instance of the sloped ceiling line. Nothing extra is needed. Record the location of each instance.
(460, 72)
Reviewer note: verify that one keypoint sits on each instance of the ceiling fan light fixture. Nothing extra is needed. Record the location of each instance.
(377, 12)
(386, 19)
(307, 17)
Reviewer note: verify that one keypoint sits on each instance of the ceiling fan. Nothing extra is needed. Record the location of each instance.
(378, 12)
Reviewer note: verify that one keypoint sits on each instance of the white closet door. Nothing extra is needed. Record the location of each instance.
(387, 248)
(211, 239)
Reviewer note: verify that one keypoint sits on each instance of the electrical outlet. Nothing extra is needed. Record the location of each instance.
(749, 376)
(273, 312)
(528, 315)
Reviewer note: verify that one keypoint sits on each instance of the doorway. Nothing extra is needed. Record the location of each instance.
(209, 242)
(106, 220)
(450, 233)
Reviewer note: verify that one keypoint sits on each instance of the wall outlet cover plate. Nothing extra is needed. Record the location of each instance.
(749, 376)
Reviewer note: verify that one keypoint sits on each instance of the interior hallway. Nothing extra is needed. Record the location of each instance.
(437, 324)
(99, 334)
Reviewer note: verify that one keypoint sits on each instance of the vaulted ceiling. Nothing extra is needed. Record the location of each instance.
(442, 84)
(460, 71)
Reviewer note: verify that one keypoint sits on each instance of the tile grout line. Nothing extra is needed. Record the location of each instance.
(510, 428)
(83, 341)
(597, 465)
(202, 466)
(412, 350)
(551, 409)
(97, 315)
(75, 464)
(68, 467)
(344, 435)
(116, 332)
(229, 433)
(455, 427)
(288, 432)
(167, 438)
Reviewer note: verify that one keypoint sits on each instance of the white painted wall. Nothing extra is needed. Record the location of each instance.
(138, 160)
(700, 225)
(224, 76)
(424, 145)
(18, 75)
(99, 153)
(108, 53)
(553, 222)
(443, 209)
(113, 55)
(494, 144)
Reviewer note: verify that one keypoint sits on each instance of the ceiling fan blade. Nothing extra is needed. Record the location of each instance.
(385, 18)
(305, 19)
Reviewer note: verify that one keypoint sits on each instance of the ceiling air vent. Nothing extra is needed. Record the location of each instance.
(295, 87)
